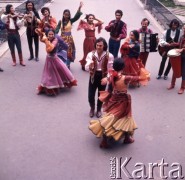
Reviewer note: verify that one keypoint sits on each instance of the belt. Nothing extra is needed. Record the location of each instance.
(66, 33)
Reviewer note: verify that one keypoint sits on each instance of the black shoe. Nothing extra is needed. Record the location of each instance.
(37, 59)
(1, 70)
(91, 113)
(83, 68)
(30, 58)
(165, 77)
(158, 77)
(98, 114)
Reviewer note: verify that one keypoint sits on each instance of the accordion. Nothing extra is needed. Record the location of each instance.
(148, 42)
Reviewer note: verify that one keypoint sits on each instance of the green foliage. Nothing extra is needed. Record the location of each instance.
(167, 3)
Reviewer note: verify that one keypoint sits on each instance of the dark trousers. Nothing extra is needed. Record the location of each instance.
(143, 56)
(30, 38)
(161, 68)
(92, 90)
(14, 40)
(183, 66)
(114, 47)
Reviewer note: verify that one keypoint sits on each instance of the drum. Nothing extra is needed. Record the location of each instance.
(175, 60)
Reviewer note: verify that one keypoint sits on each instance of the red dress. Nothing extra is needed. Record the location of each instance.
(133, 65)
(118, 118)
(90, 38)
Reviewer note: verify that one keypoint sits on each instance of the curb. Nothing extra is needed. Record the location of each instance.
(153, 19)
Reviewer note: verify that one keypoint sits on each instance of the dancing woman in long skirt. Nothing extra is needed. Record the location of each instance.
(55, 75)
(118, 122)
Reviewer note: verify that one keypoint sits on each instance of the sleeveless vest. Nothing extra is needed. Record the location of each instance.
(8, 24)
(104, 63)
(169, 39)
(117, 28)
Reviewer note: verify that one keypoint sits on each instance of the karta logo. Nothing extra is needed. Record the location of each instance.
(120, 170)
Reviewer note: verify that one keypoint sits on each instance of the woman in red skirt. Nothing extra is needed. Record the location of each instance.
(130, 52)
(89, 27)
(118, 122)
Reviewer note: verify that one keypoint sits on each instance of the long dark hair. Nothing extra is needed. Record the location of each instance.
(28, 2)
(8, 7)
(136, 35)
(104, 43)
(50, 30)
(63, 20)
(174, 21)
(88, 15)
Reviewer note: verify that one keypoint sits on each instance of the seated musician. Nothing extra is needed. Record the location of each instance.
(182, 51)
(170, 40)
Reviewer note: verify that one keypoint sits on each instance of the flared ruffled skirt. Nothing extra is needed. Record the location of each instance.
(110, 126)
(118, 119)
(56, 75)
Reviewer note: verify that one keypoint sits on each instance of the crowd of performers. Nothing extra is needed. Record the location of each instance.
(109, 74)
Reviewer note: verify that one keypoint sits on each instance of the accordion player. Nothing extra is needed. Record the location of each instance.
(148, 42)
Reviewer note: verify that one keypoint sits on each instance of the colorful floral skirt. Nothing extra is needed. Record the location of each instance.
(71, 51)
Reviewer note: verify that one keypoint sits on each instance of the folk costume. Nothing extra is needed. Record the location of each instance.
(133, 65)
(143, 56)
(117, 122)
(173, 38)
(67, 36)
(182, 88)
(31, 22)
(48, 23)
(98, 68)
(55, 75)
(118, 30)
(13, 23)
(90, 38)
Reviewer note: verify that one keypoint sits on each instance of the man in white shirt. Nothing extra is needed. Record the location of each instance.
(99, 62)
(169, 41)
(13, 23)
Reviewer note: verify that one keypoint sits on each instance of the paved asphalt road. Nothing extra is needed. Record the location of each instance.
(47, 138)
